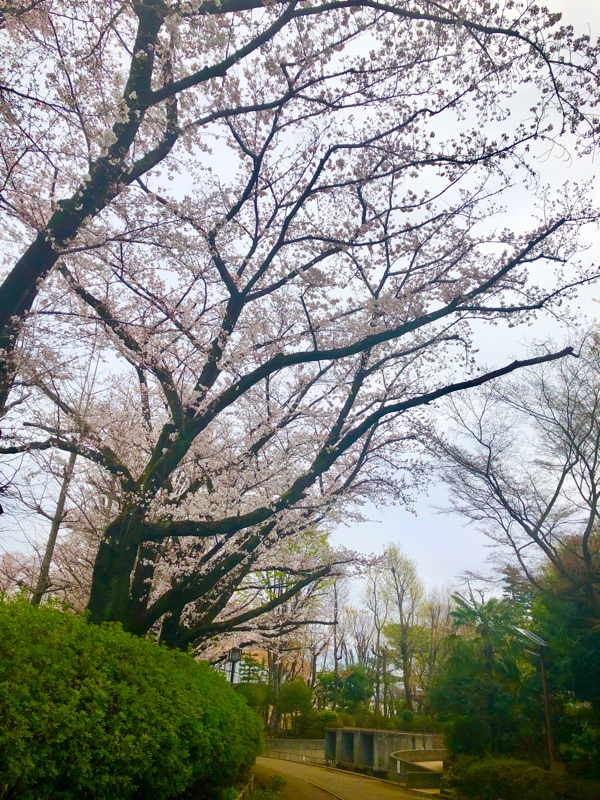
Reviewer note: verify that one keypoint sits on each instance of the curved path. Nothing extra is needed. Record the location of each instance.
(306, 782)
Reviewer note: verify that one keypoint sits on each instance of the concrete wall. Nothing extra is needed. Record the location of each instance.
(365, 747)
(300, 747)
(330, 744)
(414, 774)
(423, 780)
(414, 755)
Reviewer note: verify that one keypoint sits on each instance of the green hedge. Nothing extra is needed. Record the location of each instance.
(403, 721)
(512, 779)
(92, 712)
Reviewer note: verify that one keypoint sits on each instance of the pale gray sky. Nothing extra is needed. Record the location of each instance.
(441, 544)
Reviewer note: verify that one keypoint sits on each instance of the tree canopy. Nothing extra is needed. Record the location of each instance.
(272, 229)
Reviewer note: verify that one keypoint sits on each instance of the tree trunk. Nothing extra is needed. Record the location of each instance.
(110, 592)
(406, 674)
(59, 513)
(275, 674)
(385, 682)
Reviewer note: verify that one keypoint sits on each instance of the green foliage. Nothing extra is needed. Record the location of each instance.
(271, 789)
(295, 697)
(257, 695)
(330, 719)
(419, 723)
(327, 689)
(90, 712)
(489, 691)
(252, 670)
(583, 749)
(314, 724)
(349, 690)
(577, 732)
(569, 626)
(481, 689)
(510, 779)
(356, 688)
(567, 620)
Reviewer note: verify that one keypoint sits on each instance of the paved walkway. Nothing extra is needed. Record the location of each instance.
(306, 782)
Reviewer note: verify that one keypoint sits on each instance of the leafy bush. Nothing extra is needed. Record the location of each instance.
(314, 724)
(583, 749)
(271, 789)
(90, 712)
(328, 719)
(510, 779)
(295, 698)
(419, 723)
(403, 721)
(579, 729)
(259, 696)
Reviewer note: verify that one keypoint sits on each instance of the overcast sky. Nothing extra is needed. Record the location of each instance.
(441, 543)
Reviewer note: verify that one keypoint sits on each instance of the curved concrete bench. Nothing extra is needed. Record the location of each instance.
(419, 775)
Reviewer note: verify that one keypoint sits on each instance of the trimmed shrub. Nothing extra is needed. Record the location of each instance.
(310, 726)
(314, 724)
(92, 712)
(402, 721)
(511, 779)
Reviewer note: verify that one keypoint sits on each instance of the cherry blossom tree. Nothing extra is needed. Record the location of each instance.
(273, 608)
(15, 572)
(281, 219)
(98, 98)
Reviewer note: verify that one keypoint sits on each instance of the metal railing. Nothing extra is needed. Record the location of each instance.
(297, 757)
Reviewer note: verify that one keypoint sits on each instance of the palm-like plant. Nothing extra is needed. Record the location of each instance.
(479, 686)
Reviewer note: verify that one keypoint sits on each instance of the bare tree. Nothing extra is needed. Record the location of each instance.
(405, 593)
(523, 462)
(43, 581)
(429, 638)
(361, 630)
(376, 600)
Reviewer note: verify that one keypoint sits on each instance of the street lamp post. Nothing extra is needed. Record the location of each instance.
(234, 657)
(537, 640)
